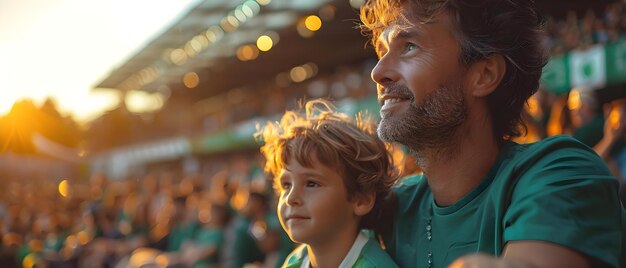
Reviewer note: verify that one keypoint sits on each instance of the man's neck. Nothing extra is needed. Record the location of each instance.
(454, 171)
(331, 253)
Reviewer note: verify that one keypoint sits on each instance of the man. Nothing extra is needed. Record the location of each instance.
(452, 79)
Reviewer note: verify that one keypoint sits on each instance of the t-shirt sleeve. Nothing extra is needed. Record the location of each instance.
(566, 195)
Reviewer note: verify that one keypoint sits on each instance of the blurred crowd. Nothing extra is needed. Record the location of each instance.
(225, 218)
(580, 32)
(159, 220)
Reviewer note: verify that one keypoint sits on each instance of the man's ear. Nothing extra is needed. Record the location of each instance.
(485, 75)
(364, 203)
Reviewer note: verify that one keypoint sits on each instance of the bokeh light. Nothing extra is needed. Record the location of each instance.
(178, 56)
(264, 43)
(214, 34)
(298, 74)
(264, 2)
(191, 80)
(253, 6)
(247, 52)
(229, 24)
(283, 80)
(327, 12)
(573, 101)
(313, 23)
(615, 117)
(357, 3)
(64, 188)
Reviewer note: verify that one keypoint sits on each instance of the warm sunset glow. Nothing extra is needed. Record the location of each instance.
(141, 101)
(69, 63)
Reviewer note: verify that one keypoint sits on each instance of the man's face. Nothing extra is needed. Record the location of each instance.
(419, 83)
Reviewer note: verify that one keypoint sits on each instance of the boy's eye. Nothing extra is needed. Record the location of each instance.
(285, 185)
(312, 184)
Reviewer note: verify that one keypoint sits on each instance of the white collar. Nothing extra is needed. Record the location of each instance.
(350, 259)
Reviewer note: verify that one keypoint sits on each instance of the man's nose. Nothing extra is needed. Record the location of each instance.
(385, 71)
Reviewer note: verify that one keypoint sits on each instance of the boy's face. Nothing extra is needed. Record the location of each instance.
(313, 204)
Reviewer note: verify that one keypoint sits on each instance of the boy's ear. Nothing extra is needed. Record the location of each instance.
(364, 203)
(486, 75)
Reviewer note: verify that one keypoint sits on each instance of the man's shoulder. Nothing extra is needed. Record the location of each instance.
(560, 154)
(554, 145)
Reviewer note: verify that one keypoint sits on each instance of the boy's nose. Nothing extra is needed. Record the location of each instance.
(293, 197)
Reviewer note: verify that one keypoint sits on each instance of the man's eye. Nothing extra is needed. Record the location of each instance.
(411, 47)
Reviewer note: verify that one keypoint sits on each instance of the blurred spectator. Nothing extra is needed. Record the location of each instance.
(586, 116)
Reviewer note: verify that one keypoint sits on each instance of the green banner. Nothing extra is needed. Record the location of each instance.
(555, 75)
(594, 68)
(616, 62)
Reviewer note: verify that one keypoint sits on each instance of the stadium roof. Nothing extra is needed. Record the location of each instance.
(207, 40)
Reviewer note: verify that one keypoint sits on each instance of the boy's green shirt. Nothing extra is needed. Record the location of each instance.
(371, 256)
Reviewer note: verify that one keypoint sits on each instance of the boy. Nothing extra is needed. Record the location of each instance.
(332, 177)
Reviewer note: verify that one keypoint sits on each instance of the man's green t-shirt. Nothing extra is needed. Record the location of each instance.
(556, 190)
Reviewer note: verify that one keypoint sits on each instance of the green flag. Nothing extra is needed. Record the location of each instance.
(588, 68)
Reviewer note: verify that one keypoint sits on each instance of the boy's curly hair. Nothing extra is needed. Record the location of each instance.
(349, 146)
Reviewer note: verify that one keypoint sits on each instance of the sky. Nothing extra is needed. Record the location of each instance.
(63, 48)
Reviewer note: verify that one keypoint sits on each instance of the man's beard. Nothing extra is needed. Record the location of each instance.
(430, 124)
